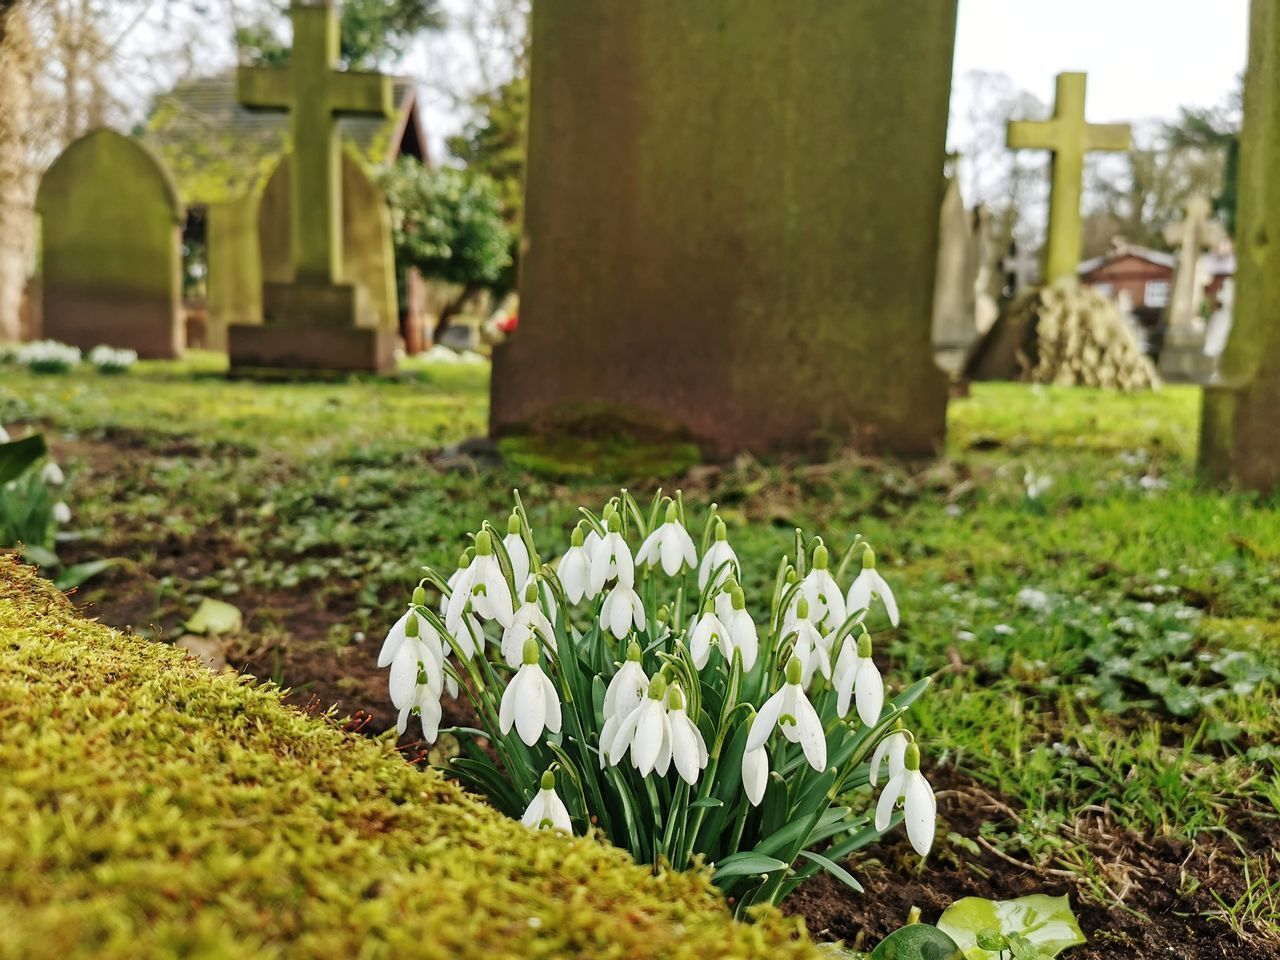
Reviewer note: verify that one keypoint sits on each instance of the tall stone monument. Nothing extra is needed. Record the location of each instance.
(1182, 356)
(731, 221)
(1240, 427)
(955, 293)
(1069, 137)
(314, 320)
(111, 248)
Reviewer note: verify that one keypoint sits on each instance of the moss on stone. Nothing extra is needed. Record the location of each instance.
(151, 808)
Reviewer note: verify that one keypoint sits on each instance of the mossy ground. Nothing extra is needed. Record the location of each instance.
(1106, 654)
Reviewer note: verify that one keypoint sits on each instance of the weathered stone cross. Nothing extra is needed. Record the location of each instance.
(316, 94)
(1069, 137)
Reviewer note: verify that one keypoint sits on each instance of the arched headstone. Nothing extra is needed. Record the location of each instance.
(111, 248)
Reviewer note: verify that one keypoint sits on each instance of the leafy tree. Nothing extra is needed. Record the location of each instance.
(493, 142)
(450, 225)
(372, 31)
(1215, 130)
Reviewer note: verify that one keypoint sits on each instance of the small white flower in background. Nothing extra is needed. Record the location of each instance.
(1033, 599)
(623, 695)
(645, 732)
(483, 586)
(530, 701)
(893, 748)
(870, 585)
(811, 647)
(610, 558)
(920, 810)
(755, 774)
(528, 623)
(819, 587)
(517, 552)
(858, 678)
(52, 474)
(112, 359)
(706, 631)
(717, 555)
(688, 748)
(1037, 484)
(61, 512)
(670, 545)
(575, 568)
(792, 713)
(4, 434)
(622, 609)
(547, 811)
(545, 594)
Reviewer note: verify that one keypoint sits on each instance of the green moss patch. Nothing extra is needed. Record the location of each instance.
(151, 808)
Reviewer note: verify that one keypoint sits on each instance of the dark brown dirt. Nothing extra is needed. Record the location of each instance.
(1160, 904)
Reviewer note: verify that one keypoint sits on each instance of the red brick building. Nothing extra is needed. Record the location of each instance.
(1144, 276)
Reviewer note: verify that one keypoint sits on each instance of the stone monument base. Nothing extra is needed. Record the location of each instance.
(1182, 358)
(1240, 435)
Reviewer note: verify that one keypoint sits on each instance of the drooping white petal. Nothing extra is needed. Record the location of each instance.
(430, 717)
(859, 595)
(717, 554)
(649, 734)
(887, 597)
(625, 690)
(884, 808)
(869, 691)
(812, 739)
(706, 632)
(395, 637)
(550, 703)
(765, 721)
(647, 555)
(685, 739)
(877, 758)
(672, 548)
(574, 574)
(843, 677)
(557, 813)
(920, 812)
(531, 707)
(755, 774)
(626, 733)
(518, 554)
(507, 709)
(745, 638)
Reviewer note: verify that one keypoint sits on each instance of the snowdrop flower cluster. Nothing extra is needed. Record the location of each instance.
(112, 359)
(675, 715)
(47, 356)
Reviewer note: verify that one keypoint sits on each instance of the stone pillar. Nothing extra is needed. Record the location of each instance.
(235, 270)
(1240, 427)
(732, 222)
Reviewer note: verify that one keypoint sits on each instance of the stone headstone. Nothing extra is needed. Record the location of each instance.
(1240, 429)
(317, 318)
(731, 221)
(1069, 137)
(1182, 356)
(955, 301)
(234, 285)
(1021, 269)
(1219, 329)
(111, 248)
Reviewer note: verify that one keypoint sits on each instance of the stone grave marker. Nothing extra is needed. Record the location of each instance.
(955, 300)
(111, 248)
(318, 318)
(1182, 356)
(731, 222)
(1240, 425)
(235, 271)
(1069, 137)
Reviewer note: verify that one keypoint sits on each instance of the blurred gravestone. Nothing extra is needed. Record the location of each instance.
(316, 318)
(1240, 429)
(955, 291)
(1182, 356)
(235, 272)
(111, 250)
(732, 221)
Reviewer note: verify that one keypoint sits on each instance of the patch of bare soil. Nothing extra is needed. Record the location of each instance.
(1161, 902)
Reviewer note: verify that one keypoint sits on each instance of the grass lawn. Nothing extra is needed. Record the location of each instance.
(1106, 654)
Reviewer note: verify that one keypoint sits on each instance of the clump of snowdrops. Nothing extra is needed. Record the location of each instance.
(47, 356)
(632, 687)
(111, 360)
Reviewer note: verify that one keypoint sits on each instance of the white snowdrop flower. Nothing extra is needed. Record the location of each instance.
(424, 704)
(611, 558)
(575, 568)
(717, 555)
(740, 633)
(894, 748)
(645, 732)
(61, 512)
(819, 587)
(517, 552)
(52, 474)
(483, 586)
(868, 585)
(792, 713)
(755, 774)
(670, 545)
(920, 810)
(688, 748)
(858, 678)
(547, 811)
(530, 700)
(623, 695)
(528, 623)
(621, 610)
(454, 579)
(706, 632)
(546, 596)
(413, 643)
(811, 647)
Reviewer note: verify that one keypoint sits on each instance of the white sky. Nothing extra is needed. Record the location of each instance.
(1145, 58)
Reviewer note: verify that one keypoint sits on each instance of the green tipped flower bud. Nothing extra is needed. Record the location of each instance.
(419, 596)
(530, 652)
(730, 584)
(868, 559)
(531, 592)
(411, 627)
(802, 608)
(464, 561)
(609, 510)
(634, 653)
(722, 532)
(864, 645)
(615, 523)
(578, 538)
(792, 576)
(821, 557)
(672, 514)
(738, 598)
(675, 698)
(657, 687)
(795, 670)
(548, 781)
(484, 544)
(911, 759)
(513, 523)
(664, 613)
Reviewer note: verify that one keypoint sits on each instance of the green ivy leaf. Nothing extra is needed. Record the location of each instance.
(1047, 924)
(214, 617)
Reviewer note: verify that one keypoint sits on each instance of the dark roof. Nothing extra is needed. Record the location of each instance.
(1120, 253)
(201, 112)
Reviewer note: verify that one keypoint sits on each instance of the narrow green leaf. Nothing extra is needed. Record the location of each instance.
(17, 455)
(833, 868)
(745, 864)
(79, 573)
